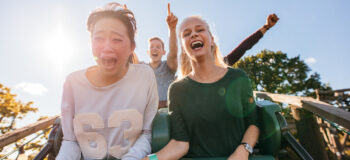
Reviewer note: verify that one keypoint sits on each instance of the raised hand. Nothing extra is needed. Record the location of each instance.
(271, 20)
(171, 19)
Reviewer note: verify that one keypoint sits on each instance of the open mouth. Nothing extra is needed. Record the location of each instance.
(154, 54)
(108, 62)
(197, 45)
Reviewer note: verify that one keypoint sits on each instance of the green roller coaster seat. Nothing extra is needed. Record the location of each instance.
(268, 144)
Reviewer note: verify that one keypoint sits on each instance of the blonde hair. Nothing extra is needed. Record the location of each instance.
(185, 62)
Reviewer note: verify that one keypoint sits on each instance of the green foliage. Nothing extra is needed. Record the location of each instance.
(276, 73)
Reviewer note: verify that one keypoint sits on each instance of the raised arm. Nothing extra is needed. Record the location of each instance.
(250, 41)
(172, 55)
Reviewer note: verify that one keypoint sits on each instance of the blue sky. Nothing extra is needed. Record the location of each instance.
(43, 41)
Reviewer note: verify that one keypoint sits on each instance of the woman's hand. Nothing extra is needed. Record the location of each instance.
(240, 154)
(172, 151)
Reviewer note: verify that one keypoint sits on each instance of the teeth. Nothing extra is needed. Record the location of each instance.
(196, 44)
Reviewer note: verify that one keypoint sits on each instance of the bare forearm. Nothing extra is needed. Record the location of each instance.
(172, 151)
(172, 43)
(173, 49)
(250, 136)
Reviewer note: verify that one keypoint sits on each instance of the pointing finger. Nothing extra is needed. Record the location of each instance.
(168, 8)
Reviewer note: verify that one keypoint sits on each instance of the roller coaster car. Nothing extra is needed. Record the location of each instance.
(274, 135)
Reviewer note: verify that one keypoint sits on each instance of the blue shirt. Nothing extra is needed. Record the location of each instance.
(165, 76)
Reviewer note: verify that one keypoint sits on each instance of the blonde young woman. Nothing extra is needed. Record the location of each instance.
(107, 109)
(212, 110)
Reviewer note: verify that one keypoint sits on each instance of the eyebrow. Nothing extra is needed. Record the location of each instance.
(199, 25)
(100, 32)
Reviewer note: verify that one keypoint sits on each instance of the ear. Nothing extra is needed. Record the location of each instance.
(148, 52)
(164, 51)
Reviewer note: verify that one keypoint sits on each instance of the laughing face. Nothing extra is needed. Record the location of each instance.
(155, 50)
(195, 37)
(111, 45)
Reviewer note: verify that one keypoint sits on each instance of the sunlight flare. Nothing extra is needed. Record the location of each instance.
(59, 49)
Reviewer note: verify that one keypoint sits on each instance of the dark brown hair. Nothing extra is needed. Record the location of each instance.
(116, 11)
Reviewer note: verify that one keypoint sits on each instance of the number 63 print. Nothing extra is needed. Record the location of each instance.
(99, 148)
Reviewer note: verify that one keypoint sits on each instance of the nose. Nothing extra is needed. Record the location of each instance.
(194, 34)
(107, 46)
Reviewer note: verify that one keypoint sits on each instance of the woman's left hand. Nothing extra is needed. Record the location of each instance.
(240, 154)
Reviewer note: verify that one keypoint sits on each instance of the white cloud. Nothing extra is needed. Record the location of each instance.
(310, 60)
(32, 88)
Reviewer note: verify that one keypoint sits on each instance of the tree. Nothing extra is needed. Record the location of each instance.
(276, 73)
(12, 110)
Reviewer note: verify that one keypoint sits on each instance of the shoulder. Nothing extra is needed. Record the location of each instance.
(237, 72)
(76, 75)
(142, 70)
(239, 77)
(141, 67)
(164, 64)
(179, 84)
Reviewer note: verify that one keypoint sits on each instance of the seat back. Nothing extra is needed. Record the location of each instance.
(160, 130)
(270, 132)
(57, 136)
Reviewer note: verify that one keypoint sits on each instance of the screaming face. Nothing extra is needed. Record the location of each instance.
(111, 45)
(195, 37)
(155, 50)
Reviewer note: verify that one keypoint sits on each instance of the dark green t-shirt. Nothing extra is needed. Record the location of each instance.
(212, 117)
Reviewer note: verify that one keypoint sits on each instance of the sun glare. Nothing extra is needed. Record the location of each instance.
(59, 49)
